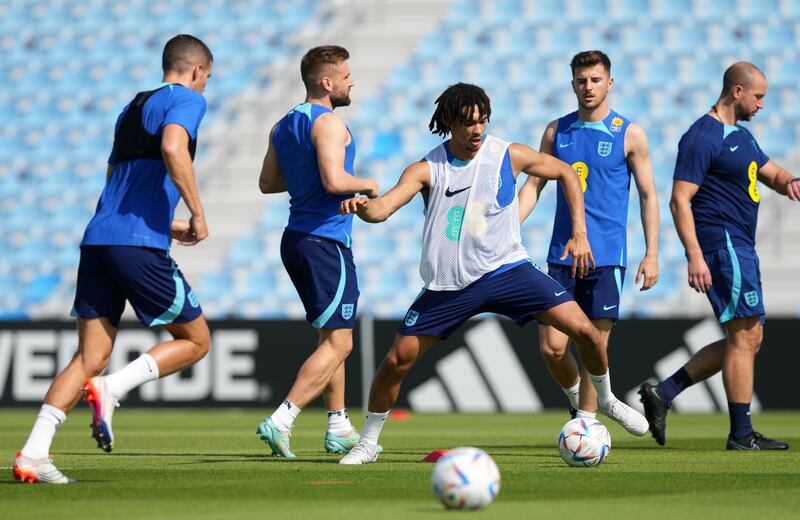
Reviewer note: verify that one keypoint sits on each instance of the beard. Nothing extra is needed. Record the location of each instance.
(340, 100)
(741, 114)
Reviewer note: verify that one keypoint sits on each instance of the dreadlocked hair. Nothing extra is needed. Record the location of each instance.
(457, 104)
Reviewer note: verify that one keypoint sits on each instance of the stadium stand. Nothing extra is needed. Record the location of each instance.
(69, 67)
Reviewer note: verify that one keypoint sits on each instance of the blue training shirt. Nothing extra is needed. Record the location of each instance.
(312, 210)
(138, 202)
(596, 151)
(724, 161)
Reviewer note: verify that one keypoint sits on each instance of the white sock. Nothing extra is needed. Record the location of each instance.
(602, 385)
(283, 417)
(339, 422)
(583, 414)
(573, 394)
(137, 372)
(44, 429)
(373, 426)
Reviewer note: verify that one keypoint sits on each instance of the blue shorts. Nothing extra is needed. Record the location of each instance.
(520, 293)
(323, 272)
(597, 293)
(148, 278)
(735, 283)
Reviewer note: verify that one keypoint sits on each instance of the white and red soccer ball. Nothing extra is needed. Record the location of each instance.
(584, 442)
(466, 478)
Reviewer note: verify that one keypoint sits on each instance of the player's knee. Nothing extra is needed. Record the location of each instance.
(754, 338)
(396, 363)
(550, 351)
(202, 345)
(587, 334)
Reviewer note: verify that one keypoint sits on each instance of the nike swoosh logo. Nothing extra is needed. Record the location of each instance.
(559, 293)
(607, 308)
(564, 145)
(734, 148)
(448, 193)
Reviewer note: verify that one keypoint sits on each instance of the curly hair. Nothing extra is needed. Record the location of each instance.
(458, 103)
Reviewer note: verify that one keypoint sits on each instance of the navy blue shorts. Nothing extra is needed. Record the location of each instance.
(597, 293)
(148, 278)
(519, 293)
(735, 283)
(323, 272)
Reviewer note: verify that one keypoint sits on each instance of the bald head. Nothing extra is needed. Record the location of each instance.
(742, 74)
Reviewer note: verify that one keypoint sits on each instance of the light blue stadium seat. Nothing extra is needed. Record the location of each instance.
(629, 10)
(632, 105)
(586, 10)
(246, 251)
(657, 74)
(713, 10)
(683, 39)
(673, 10)
(385, 144)
(259, 286)
(776, 38)
(40, 288)
(778, 142)
(759, 10)
(543, 12)
(216, 285)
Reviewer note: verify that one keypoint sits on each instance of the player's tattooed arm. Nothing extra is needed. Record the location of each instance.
(329, 136)
(780, 180)
(638, 156)
(528, 160)
(271, 178)
(682, 194)
(529, 193)
(414, 179)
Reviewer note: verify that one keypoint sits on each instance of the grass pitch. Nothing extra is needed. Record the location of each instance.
(209, 464)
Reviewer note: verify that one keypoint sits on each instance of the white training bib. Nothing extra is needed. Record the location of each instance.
(467, 233)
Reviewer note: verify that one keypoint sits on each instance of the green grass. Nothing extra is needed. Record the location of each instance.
(210, 464)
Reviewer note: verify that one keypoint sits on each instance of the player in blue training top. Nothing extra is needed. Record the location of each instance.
(125, 256)
(311, 154)
(715, 203)
(604, 148)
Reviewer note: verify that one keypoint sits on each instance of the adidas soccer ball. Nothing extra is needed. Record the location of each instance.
(466, 478)
(584, 442)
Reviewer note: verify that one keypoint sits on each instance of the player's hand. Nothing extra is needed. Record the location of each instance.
(793, 189)
(179, 227)
(198, 230)
(352, 205)
(699, 275)
(582, 258)
(648, 271)
(372, 191)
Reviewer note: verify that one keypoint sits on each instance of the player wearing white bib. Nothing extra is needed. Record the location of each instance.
(473, 260)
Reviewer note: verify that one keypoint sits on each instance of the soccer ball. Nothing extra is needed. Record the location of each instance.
(466, 478)
(584, 442)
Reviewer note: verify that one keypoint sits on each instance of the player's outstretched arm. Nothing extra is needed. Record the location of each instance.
(780, 180)
(638, 156)
(329, 135)
(529, 193)
(680, 205)
(526, 159)
(414, 179)
(175, 152)
(271, 178)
